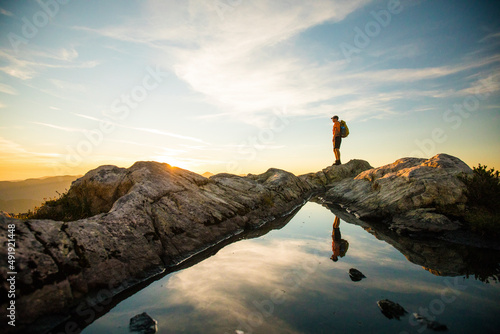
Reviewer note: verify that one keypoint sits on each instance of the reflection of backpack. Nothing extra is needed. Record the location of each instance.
(344, 130)
(344, 245)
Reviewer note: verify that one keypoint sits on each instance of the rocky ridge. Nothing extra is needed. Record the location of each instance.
(140, 221)
(144, 219)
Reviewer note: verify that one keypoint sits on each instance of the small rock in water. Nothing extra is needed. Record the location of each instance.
(434, 325)
(356, 275)
(143, 324)
(391, 309)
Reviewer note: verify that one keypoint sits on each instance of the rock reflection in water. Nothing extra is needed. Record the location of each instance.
(285, 282)
(439, 257)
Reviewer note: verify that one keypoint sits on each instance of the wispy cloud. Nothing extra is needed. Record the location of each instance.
(148, 130)
(491, 37)
(64, 85)
(238, 68)
(58, 127)
(163, 133)
(244, 71)
(147, 145)
(10, 150)
(30, 63)
(7, 89)
(5, 12)
(248, 72)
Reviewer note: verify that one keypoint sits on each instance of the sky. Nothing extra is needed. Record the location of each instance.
(240, 86)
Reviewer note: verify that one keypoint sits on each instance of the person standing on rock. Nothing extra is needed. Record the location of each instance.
(337, 139)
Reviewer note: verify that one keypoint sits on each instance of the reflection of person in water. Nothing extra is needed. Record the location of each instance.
(339, 246)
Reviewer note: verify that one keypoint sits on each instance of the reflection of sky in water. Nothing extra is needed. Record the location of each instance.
(285, 282)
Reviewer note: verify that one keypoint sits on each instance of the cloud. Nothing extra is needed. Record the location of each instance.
(163, 133)
(30, 63)
(12, 151)
(234, 62)
(62, 128)
(282, 276)
(246, 59)
(491, 38)
(249, 67)
(483, 85)
(16, 67)
(164, 149)
(5, 12)
(148, 130)
(66, 86)
(403, 75)
(60, 54)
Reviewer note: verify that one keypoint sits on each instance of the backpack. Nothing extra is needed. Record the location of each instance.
(344, 130)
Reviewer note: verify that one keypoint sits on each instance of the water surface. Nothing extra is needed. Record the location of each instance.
(286, 282)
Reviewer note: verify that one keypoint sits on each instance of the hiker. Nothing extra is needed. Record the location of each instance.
(339, 245)
(337, 139)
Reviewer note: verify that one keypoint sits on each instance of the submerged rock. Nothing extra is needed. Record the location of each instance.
(391, 309)
(434, 325)
(412, 194)
(143, 324)
(356, 275)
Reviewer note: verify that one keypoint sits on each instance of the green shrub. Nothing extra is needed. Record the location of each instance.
(483, 200)
(65, 208)
(483, 189)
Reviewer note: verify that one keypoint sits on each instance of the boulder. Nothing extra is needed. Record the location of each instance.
(411, 194)
(430, 324)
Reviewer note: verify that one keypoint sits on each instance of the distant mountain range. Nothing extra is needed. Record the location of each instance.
(21, 196)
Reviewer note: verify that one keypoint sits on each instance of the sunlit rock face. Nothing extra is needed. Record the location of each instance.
(139, 221)
(411, 194)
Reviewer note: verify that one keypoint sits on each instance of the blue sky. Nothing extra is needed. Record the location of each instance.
(240, 86)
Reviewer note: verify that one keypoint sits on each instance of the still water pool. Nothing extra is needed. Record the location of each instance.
(286, 282)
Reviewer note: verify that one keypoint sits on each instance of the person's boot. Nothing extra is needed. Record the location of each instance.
(337, 162)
